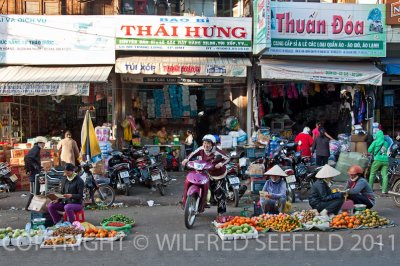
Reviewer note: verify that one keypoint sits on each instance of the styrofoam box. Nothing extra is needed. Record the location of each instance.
(5, 242)
(20, 241)
(254, 234)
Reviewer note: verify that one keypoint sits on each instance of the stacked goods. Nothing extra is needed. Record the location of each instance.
(185, 101)
(278, 222)
(193, 105)
(238, 228)
(210, 98)
(151, 108)
(175, 96)
(158, 101)
(143, 99)
(343, 220)
(242, 229)
(238, 221)
(167, 103)
(370, 218)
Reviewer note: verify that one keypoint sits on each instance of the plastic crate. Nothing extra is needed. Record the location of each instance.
(257, 185)
(256, 152)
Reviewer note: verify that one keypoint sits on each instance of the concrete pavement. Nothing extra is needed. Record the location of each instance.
(160, 238)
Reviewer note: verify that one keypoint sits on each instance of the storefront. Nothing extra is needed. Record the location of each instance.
(330, 77)
(171, 90)
(53, 69)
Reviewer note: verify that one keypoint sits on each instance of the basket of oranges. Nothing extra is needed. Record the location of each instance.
(101, 234)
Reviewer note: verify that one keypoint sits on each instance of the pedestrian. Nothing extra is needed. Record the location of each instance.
(162, 136)
(321, 148)
(358, 189)
(189, 142)
(274, 200)
(304, 142)
(321, 196)
(33, 167)
(210, 153)
(72, 190)
(316, 132)
(378, 149)
(69, 149)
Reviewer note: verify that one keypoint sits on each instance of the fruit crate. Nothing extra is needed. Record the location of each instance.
(251, 235)
(5, 242)
(256, 152)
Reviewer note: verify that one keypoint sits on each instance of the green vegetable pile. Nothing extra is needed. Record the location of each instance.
(118, 218)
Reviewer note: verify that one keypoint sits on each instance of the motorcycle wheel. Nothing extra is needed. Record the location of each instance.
(291, 195)
(396, 188)
(236, 197)
(161, 189)
(104, 195)
(190, 211)
(126, 191)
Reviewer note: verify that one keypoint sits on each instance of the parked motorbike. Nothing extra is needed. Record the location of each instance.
(121, 172)
(98, 191)
(195, 191)
(8, 181)
(148, 169)
(232, 184)
(394, 174)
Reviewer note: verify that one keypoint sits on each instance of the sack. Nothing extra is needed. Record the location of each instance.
(262, 139)
(125, 123)
(39, 204)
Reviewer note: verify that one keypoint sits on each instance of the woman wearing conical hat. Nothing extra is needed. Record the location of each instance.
(321, 196)
(273, 197)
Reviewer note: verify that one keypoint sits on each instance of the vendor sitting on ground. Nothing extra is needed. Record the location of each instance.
(358, 188)
(72, 189)
(321, 196)
(274, 200)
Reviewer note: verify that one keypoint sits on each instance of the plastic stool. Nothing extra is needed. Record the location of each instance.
(79, 216)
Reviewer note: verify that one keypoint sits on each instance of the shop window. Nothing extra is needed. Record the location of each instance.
(51, 8)
(31, 7)
(229, 8)
(200, 8)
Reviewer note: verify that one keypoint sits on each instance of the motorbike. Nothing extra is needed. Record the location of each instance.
(196, 190)
(8, 181)
(232, 184)
(96, 190)
(121, 172)
(394, 174)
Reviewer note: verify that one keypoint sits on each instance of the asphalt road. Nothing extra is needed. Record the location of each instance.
(160, 238)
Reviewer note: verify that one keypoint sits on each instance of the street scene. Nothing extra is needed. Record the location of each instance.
(177, 132)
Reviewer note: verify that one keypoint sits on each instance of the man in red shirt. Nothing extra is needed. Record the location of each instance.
(304, 141)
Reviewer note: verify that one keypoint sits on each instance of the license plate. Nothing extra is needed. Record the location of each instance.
(291, 179)
(14, 178)
(124, 174)
(155, 177)
(234, 180)
(42, 188)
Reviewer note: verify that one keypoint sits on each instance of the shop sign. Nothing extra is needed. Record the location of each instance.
(165, 33)
(57, 40)
(327, 29)
(392, 12)
(180, 69)
(44, 89)
(262, 25)
(127, 78)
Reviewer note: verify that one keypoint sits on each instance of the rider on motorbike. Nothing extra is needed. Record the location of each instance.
(210, 153)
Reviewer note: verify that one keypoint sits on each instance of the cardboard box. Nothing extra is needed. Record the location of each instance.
(358, 138)
(17, 153)
(17, 161)
(256, 169)
(353, 146)
(39, 204)
(361, 147)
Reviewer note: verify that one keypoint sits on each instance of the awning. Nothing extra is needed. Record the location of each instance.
(186, 66)
(391, 65)
(335, 72)
(41, 81)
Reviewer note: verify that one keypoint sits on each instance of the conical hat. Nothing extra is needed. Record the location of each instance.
(276, 170)
(327, 171)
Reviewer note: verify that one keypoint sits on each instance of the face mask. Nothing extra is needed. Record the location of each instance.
(354, 179)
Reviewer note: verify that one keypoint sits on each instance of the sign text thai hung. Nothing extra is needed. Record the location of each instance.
(157, 33)
(328, 29)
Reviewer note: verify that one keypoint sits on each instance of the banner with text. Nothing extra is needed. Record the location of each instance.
(44, 89)
(262, 25)
(57, 40)
(159, 33)
(328, 29)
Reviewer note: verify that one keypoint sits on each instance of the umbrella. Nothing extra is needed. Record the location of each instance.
(90, 145)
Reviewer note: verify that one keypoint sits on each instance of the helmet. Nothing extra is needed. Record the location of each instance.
(355, 169)
(209, 138)
(217, 139)
(40, 139)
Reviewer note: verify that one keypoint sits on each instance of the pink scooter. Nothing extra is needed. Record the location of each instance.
(196, 189)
